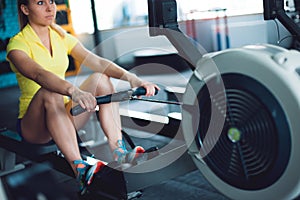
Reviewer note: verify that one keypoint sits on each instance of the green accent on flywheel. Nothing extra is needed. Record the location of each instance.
(234, 134)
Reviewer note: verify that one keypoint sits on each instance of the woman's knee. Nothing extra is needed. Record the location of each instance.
(105, 86)
(99, 78)
(51, 99)
(98, 84)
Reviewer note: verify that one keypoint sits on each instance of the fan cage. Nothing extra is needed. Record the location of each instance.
(254, 147)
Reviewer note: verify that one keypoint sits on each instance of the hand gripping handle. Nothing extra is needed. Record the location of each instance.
(116, 97)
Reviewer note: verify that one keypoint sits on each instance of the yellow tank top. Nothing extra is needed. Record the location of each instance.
(28, 42)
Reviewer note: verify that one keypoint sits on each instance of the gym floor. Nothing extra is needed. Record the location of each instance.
(190, 186)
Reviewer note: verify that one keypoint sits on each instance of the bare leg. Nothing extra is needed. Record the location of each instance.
(47, 118)
(99, 84)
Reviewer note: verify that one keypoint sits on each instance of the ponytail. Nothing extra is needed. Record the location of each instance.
(23, 19)
(58, 29)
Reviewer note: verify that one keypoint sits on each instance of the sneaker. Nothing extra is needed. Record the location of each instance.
(124, 156)
(86, 173)
(120, 152)
(135, 153)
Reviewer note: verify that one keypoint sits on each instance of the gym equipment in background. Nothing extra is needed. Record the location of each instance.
(274, 9)
(219, 28)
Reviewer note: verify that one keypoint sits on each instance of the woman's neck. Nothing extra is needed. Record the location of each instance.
(41, 31)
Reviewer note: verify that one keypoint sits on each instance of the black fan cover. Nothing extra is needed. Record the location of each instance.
(253, 149)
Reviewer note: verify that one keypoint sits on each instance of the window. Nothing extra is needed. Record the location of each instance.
(82, 16)
(198, 9)
(110, 14)
(120, 13)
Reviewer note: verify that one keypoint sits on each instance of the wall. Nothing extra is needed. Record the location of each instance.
(11, 27)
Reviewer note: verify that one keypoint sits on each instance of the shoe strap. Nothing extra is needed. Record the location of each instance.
(76, 162)
(121, 144)
(120, 151)
(81, 166)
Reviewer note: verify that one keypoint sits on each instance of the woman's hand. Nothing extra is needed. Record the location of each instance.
(85, 99)
(150, 87)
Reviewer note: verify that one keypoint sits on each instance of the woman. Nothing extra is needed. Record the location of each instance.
(38, 56)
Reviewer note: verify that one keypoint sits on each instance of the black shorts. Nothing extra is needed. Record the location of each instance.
(19, 131)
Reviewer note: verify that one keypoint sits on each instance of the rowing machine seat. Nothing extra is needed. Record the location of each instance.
(11, 141)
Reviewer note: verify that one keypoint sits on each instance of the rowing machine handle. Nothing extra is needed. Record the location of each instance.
(120, 96)
(141, 91)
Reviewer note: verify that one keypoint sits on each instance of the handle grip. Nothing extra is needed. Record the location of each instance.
(100, 100)
(77, 110)
(116, 97)
(141, 91)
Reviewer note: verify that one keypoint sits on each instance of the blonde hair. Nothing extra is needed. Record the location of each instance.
(23, 19)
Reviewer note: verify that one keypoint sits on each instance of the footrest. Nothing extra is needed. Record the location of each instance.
(147, 155)
(108, 183)
(152, 152)
(11, 141)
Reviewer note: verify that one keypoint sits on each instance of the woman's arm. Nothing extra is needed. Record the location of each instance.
(105, 66)
(32, 70)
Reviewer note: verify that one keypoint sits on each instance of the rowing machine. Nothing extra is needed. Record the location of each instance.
(243, 136)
